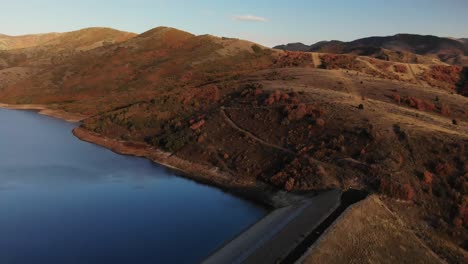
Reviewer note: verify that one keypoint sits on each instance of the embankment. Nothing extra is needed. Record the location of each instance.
(285, 234)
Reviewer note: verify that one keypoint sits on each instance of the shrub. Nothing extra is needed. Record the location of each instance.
(428, 177)
(320, 122)
(289, 185)
(174, 141)
(397, 98)
(445, 110)
(408, 192)
(400, 68)
(422, 105)
(293, 59)
(333, 61)
(297, 113)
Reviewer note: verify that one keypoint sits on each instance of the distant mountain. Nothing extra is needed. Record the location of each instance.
(447, 50)
(293, 47)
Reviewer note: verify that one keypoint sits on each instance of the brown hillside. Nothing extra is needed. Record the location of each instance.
(302, 122)
(86, 39)
(26, 41)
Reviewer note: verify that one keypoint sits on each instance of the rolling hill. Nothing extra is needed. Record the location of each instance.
(83, 39)
(26, 41)
(247, 116)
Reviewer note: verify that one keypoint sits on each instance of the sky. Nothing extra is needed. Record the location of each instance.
(268, 22)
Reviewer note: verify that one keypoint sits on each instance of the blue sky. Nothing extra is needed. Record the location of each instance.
(266, 22)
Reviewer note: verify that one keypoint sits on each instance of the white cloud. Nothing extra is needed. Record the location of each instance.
(250, 18)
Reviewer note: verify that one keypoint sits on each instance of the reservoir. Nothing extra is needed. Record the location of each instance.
(63, 200)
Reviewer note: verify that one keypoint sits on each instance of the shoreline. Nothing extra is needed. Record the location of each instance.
(253, 190)
(44, 110)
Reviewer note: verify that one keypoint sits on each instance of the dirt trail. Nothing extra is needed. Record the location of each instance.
(413, 74)
(349, 86)
(316, 59)
(252, 136)
(372, 66)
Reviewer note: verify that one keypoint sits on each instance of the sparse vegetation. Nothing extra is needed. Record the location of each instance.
(259, 115)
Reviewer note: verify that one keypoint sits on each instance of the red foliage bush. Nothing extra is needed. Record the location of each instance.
(428, 177)
(301, 173)
(209, 93)
(299, 111)
(198, 125)
(201, 139)
(293, 59)
(461, 216)
(423, 105)
(382, 65)
(445, 110)
(400, 68)
(269, 101)
(277, 96)
(409, 193)
(289, 185)
(252, 90)
(285, 97)
(438, 75)
(334, 61)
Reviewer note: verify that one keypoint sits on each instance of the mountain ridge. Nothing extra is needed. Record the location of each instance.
(85, 35)
(445, 49)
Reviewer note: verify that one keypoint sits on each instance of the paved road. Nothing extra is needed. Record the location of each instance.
(277, 234)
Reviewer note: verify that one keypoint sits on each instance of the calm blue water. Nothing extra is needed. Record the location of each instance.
(66, 201)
